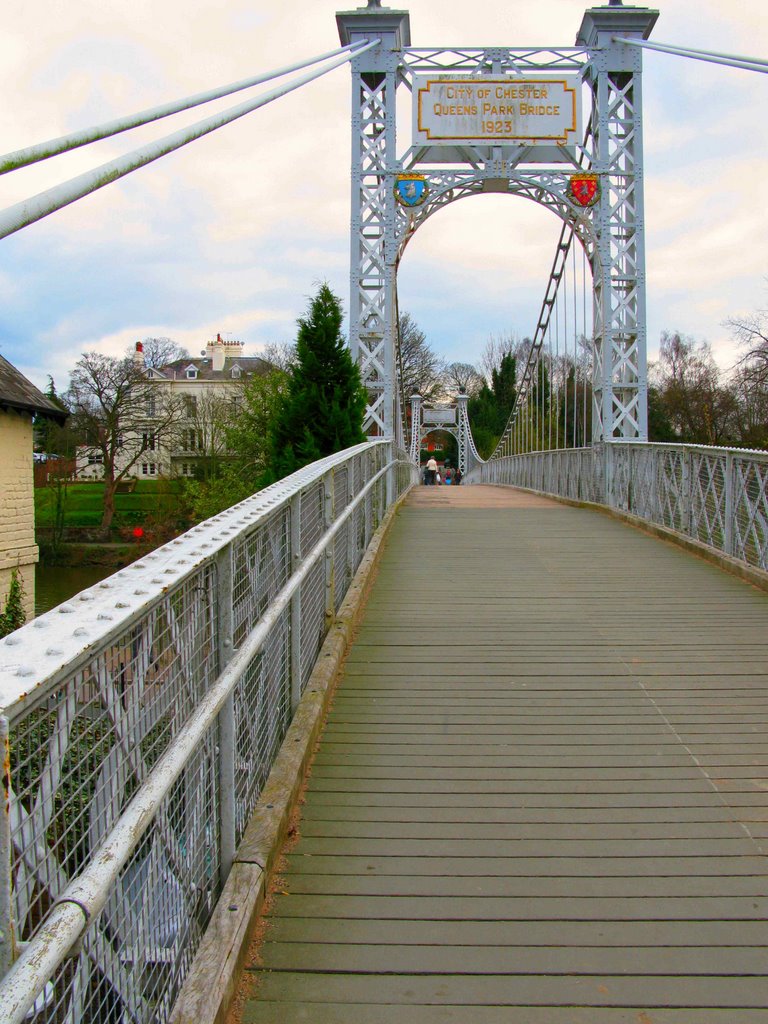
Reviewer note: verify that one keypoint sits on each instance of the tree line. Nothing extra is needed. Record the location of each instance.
(691, 400)
(308, 402)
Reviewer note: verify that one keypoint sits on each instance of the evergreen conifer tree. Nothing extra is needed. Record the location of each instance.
(323, 409)
(13, 617)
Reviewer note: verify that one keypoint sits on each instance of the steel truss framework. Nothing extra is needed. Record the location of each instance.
(611, 231)
(468, 456)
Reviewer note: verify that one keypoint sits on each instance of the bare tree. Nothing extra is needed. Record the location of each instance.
(281, 354)
(700, 408)
(495, 349)
(751, 412)
(203, 425)
(118, 415)
(159, 352)
(462, 377)
(752, 333)
(420, 368)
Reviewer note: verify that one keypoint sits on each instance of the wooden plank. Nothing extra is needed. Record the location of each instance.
(544, 832)
(297, 1012)
(527, 990)
(510, 961)
(549, 867)
(576, 934)
(652, 798)
(313, 812)
(366, 883)
(428, 908)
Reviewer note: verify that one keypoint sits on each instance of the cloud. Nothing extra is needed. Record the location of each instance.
(232, 232)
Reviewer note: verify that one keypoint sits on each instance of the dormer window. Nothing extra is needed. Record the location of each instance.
(191, 372)
(236, 373)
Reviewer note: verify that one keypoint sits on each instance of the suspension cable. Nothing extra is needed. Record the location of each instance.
(563, 247)
(65, 143)
(727, 59)
(586, 349)
(30, 210)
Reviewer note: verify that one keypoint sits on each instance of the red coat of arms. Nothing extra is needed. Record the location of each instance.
(584, 188)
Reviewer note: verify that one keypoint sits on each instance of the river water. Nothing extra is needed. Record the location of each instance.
(55, 584)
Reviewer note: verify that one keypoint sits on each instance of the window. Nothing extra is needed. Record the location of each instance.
(191, 373)
(191, 439)
(95, 460)
(152, 406)
(236, 373)
(148, 469)
(190, 405)
(148, 442)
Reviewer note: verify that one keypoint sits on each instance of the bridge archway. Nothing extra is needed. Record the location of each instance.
(545, 168)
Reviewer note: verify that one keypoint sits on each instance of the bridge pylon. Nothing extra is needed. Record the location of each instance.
(451, 419)
(614, 74)
(517, 129)
(373, 258)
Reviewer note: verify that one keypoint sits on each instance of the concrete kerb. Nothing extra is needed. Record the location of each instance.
(748, 573)
(211, 983)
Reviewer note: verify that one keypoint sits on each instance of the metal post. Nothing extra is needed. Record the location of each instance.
(226, 717)
(687, 495)
(728, 539)
(351, 527)
(328, 516)
(7, 932)
(391, 491)
(608, 496)
(295, 604)
(415, 440)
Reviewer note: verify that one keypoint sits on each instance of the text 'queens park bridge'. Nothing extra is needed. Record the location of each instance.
(541, 793)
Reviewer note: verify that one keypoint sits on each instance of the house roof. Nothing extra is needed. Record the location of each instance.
(249, 365)
(16, 392)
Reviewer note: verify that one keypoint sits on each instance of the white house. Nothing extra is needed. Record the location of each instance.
(203, 391)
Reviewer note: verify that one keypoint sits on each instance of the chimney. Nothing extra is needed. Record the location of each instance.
(138, 355)
(218, 353)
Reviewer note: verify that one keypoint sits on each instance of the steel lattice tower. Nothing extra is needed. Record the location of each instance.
(611, 231)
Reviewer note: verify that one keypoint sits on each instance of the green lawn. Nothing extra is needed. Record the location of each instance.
(84, 502)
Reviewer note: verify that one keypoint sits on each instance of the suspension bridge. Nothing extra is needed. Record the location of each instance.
(541, 792)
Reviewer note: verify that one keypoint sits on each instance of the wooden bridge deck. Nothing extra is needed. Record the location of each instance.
(542, 795)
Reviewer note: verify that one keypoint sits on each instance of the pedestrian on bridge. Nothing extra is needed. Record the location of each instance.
(431, 473)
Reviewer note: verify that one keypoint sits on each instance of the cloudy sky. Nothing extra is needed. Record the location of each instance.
(232, 233)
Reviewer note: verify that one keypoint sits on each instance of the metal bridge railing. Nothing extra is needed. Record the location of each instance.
(144, 716)
(718, 496)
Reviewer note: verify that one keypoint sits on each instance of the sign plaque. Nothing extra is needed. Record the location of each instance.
(496, 111)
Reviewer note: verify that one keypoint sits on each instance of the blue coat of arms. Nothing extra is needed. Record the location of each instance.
(411, 189)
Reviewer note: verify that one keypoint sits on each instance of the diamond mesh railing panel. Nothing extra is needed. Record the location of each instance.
(261, 566)
(85, 738)
(750, 524)
(78, 757)
(139, 947)
(708, 498)
(313, 619)
(262, 716)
